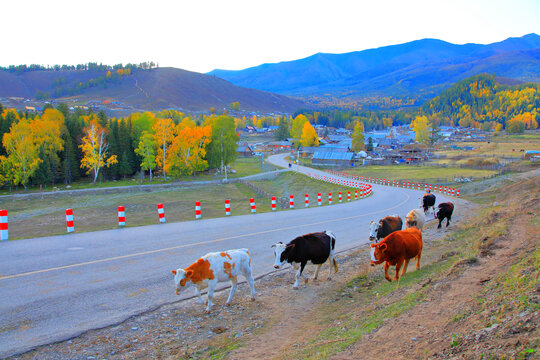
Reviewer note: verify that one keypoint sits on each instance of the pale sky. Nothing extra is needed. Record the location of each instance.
(201, 35)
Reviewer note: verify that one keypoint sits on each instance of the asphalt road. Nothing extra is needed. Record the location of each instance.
(58, 287)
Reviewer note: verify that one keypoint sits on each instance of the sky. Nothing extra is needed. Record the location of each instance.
(202, 35)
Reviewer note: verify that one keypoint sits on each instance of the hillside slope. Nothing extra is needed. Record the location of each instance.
(155, 89)
(426, 65)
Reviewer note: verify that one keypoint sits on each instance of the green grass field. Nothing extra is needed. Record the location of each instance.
(421, 173)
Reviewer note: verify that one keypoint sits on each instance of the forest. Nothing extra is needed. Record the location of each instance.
(63, 146)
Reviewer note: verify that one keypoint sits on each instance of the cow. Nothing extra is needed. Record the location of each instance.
(428, 201)
(444, 210)
(316, 248)
(397, 249)
(415, 218)
(384, 227)
(212, 268)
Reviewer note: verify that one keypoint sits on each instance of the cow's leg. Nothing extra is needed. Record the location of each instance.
(299, 275)
(234, 284)
(405, 264)
(398, 266)
(332, 263)
(448, 221)
(198, 291)
(211, 288)
(249, 277)
(317, 271)
(386, 266)
(418, 260)
(440, 221)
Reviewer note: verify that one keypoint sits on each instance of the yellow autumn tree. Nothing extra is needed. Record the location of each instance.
(163, 136)
(188, 149)
(309, 136)
(421, 126)
(22, 148)
(297, 128)
(94, 147)
(358, 137)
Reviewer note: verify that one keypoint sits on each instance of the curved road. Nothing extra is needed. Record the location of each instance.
(57, 287)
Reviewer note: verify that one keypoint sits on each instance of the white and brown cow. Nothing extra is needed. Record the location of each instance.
(213, 268)
(415, 218)
(316, 248)
(384, 227)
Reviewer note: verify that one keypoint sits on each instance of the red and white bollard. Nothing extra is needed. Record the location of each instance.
(273, 203)
(306, 200)
(355, 194)
(161, 213)
(252, 204)
(319, 199)
(453, 192)
(340, 197)
(457, 193)
(348, 196)
(69, 220)
(4, 225)
(198, 213)
(121, 216)
(330, 198)
(227, 207)
(291, 202)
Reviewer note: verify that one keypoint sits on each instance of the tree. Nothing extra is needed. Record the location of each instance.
(309, 136)
(163, 136)
(22, 147)
(282, 133)
(94, 146)
(358, 137)
(297, 128)
(147, 151)
(369, 146)
(515, 126)
(421, 126)
(188, 149)
(222, 147)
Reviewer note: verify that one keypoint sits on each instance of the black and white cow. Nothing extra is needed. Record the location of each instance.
(316, 248)
(444, 210)
(428, 201)
(384, 227)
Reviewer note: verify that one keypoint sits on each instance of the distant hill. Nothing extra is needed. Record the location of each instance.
(419, 68)
(155, 89)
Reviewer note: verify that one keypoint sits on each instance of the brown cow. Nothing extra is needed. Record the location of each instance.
(385, 226)
(398, 248)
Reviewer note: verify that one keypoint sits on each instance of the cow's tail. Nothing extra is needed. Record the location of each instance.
(332, 247)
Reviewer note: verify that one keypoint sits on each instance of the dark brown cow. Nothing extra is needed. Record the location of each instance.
(385, 226)
(397, 248)
(428, 201)
(444, 210)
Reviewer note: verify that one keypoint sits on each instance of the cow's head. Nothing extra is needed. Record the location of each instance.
(377, 253)
(373, 230)
(182, 279)
(411, 219)
(281, 252)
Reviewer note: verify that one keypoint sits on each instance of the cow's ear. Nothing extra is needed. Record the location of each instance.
(290, 246)
(382, 247)
(173, 271)
(273, 246)
(189, 273)
(373, 245)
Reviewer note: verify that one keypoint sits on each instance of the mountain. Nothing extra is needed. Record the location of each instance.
(421, 67)
(155, 89)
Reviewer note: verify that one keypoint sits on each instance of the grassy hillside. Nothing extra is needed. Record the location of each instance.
(154, 89)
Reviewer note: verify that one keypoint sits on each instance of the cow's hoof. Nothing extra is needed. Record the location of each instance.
(207, 311)
(295, 287)
(253, 298)
(306, 281)
(389, 280)
(227, 304)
